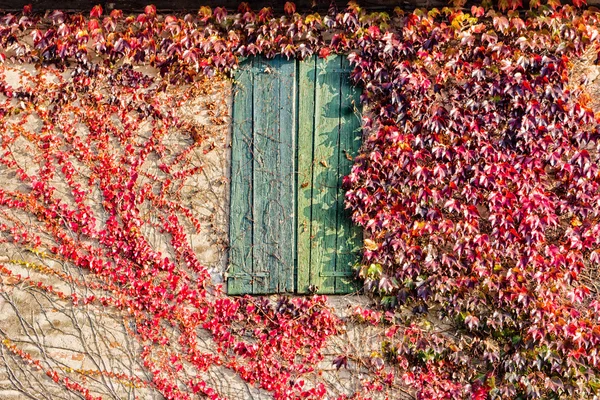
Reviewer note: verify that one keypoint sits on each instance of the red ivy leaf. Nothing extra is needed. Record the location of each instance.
(220, 13)
(116, 14)
(324, 52)
(96, 11)
(554, 4)
(244, 8)
(340, 361)
(514, 4)
(289, 8)
(477, 11)
(150, 10)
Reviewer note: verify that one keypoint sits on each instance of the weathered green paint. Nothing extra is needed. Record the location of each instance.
(306, 123)
(287, 165)
(332, 130)
(297, 222)
(263, 179)
(325, 174)
(348, 234)
(241, 207)
(264, 182)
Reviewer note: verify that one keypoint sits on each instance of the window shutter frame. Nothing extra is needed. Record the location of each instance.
(294, 120)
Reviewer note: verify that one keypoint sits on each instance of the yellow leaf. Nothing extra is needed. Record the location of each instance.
(370, 245)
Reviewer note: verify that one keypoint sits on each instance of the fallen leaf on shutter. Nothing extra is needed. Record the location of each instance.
(324, 163)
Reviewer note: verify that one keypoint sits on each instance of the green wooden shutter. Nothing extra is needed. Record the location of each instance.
(288, 228)
(263, 178)
(328, 138)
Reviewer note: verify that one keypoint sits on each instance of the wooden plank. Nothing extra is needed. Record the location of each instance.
(274, 177)
(306, 124)
(325, 174)
(241, 217)
(265, 179)
(287, 174)
(348, 234)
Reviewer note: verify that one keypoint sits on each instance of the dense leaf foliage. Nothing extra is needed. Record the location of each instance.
(477, 188)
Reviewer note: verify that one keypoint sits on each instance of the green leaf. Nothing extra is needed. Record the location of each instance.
(374, 270)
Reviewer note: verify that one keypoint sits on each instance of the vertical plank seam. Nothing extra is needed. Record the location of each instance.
(229, 268)
(312, 174)
(294, 116)
(338, 188)
(238, 283)
(278, 261)
(251, 195)
(296, 119)
(305, 122)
